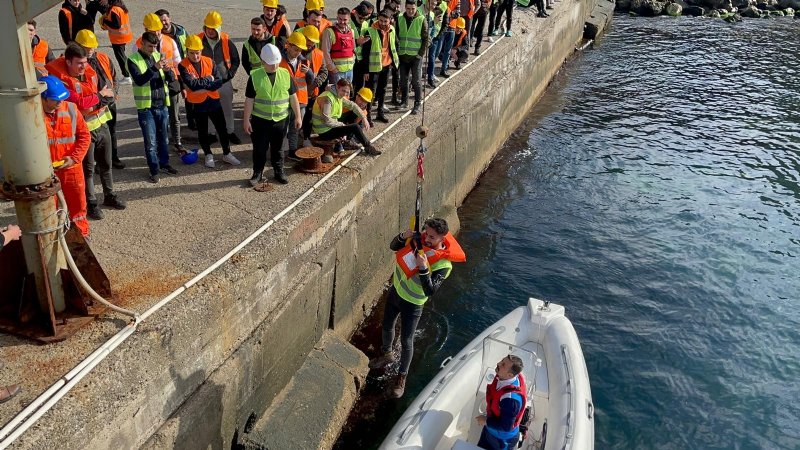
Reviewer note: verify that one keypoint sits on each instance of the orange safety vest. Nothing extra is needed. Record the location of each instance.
(88, 86)
(276, 29)
(166, 49)
(68, 15)
(299, 80)
(317, 59)
(62, 137)
(226, 49)
(452, 252)
(453, 4)
(105, 63)
(206, 70)
(40, 56)
(460, 35)
(123, 34)
(323, 24)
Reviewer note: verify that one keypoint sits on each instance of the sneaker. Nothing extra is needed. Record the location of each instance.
(351, 145)
(292, 156)
(338, 148)
(399, 387)
(382, 118)
(169, 169)
(153, 178)
(444, 74)
(477, 52)
(491, 40)
(126, 81)
(403, 105)
(112, 201)
(256, 179)
(509, 33)
(234, 139)
(117, 164)
(209, 161)
(94, 212)
(431, 84)
(415, 109)
(381, 361)
(230, 159)
(280, 177)
(372, 151)
(496, 32)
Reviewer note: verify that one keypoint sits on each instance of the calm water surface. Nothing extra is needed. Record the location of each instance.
(655, 192)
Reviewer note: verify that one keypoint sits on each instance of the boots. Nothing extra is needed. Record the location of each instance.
(371, 150)
(379, 362)
(94, 212)
(280, 176)
(381, 116)
(415, 109)
(399, 387)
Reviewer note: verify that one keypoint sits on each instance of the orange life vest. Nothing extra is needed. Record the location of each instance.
(452, 252)
(299, 79)
(123, 34)
(167, 50)
(62, 128)
(40, 56)
(206, 70)
(226, 49)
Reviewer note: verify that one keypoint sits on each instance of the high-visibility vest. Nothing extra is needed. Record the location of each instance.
(410, 289)
(123, 34)
(180, 34)
(272, 99)
(223, 42)
(96, 116)
(342, 49)
(68, 15)
(142, 95)
(406, 274)
(166, 48)
(324, 24)
(358, 30)
(275, 30)
(299, 80)
(375, 60)
(252, 56)
(409, 38)
(433, 29)
(105, 63)
(61, 132)
(40, 56)
(206, 70)
(316, 59)
(318, 125)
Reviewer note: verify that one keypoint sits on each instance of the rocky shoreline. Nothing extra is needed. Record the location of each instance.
(730, 10)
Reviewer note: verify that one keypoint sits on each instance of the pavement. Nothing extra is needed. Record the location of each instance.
(174, 229)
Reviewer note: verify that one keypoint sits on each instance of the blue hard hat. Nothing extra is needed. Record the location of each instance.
(55, 88)
(190, 157)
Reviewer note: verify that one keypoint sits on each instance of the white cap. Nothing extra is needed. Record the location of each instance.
(270, 54)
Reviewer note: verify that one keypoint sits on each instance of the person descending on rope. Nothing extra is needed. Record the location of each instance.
(423, 261)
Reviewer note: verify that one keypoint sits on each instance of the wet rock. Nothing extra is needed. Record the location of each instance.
(673, 9)
(788, 11)
(695, 11)
(652, 8)
(765, 14)
(794, 4)
(742, 4)
(735, 17)
(777, 13)
(622, 5)
(714, 14)
(752, 12)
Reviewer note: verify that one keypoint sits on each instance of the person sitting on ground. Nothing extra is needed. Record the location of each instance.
(327, 111)
(363, 99)
(201, 78)
(505, 406)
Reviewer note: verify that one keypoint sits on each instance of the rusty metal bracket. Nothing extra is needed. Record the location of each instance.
(42, 191)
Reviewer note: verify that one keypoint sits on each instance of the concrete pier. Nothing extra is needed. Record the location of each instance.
(231, 349)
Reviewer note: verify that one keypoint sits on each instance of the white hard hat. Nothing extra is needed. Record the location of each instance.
(270, 54)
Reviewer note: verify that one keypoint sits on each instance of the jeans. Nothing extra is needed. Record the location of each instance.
(448, 38)
(409, 318)
(411, 64)
(154, 123)
(99, 153)
(267, 135)
(217, 117)
(334, 77)
(174, 119)
(433, 52)
(122, 59)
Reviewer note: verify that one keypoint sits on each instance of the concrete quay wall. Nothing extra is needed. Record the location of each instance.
(205, 365)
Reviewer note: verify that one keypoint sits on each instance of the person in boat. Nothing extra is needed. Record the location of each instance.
(505, 405)
(423, 261)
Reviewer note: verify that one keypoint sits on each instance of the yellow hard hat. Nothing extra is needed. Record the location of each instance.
(297, 38)
(213, 20)
(314, 4)
(461, 23)
(270, 3)
(194, 42)
(366, 94)
(311, 33)
(152, 22)
(86, 38)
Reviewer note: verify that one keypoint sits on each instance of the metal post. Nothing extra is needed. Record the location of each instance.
(24, 151)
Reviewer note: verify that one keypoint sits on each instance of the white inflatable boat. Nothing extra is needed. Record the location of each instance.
(442, 417)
